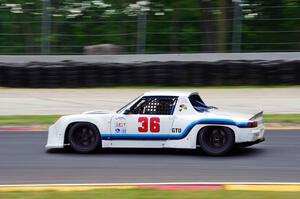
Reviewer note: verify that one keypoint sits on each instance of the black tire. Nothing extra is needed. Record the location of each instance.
(216, 140)
(84, 137)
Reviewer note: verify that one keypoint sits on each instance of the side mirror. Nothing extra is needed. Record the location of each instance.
(127, 111)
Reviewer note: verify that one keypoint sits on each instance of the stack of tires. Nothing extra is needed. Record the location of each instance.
(80, 74)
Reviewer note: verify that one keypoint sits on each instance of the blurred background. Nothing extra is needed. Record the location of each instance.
(130, 27)
(61, 57)
(208, 43)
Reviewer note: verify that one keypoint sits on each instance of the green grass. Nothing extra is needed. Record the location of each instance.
(282, 118)
(27, 119)
(50, 119)
(147, 194)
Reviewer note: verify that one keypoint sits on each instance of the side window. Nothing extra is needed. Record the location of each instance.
(198, 103)
(154, 106)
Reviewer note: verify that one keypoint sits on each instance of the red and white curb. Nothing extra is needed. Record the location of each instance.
(277, 187)
(23, 128)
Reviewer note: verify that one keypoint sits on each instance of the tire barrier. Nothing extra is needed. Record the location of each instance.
(80, 74)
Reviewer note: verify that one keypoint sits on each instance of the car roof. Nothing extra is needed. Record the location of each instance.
(170, 93)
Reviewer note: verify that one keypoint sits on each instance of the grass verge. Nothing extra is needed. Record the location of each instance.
(23, 120)
(149, 194)
(282, 118)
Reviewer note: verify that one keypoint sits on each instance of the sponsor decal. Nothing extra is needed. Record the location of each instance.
(182, 107)
(176, 130)
(120, 125)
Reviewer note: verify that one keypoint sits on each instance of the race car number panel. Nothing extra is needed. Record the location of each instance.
(154, 124)
(142, 124)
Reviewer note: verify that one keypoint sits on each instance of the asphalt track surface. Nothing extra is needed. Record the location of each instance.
(24, 160)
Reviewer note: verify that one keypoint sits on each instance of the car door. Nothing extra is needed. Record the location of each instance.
(150, 118)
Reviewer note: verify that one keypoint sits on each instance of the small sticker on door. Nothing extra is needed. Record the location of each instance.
(182, 107)
(120, 125)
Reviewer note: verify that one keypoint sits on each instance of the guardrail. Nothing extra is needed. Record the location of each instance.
(129, 58)
(171, 73)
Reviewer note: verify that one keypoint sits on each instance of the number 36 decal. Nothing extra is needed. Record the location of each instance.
(154, 124)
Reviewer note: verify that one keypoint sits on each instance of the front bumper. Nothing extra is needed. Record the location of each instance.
(53, 141)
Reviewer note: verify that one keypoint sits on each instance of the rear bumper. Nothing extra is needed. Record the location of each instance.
(249, 134)
(245, 144)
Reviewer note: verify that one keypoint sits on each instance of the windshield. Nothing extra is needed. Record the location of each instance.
(198, 103)
(124, 107)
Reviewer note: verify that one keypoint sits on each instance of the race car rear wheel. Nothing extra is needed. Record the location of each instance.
(216, 140)
(84, 137)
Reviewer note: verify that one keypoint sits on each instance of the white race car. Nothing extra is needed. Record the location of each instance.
(158, 119)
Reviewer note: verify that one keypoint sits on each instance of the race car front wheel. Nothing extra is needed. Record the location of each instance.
(216, 140)
(84, 137)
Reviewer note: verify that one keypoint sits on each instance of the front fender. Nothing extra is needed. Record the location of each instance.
(56, 133)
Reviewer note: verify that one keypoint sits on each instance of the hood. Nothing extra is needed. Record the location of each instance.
(97, 112)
